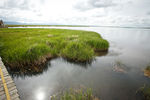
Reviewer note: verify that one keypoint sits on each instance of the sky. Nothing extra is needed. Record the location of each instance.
(77, 12)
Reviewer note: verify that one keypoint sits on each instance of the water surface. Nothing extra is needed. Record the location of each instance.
(131, 47)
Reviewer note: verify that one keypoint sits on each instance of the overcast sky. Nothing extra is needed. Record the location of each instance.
(77, 12)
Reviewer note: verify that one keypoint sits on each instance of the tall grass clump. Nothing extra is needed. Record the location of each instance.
(98, 44)
(36, 51)
(78, 52)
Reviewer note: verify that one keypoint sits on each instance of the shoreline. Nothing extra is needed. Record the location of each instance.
(42, 61)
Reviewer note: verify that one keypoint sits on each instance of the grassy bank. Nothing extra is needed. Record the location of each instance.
(47, 26)
(31, 47)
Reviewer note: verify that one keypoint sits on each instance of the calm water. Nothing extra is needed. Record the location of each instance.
(129, 46)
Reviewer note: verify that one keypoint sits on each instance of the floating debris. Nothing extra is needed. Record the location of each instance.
(120, 67)
(50, 35)
(73, 37)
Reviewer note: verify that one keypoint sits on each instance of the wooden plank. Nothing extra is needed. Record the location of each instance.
(11, 85)
(15, 95)
(8, 82)
(1, 83)
(12, 92)
(2, 93)
(16, 99)
(3, 97)
(7, 77)
(1, 88)
(4, 72)
(12, 88)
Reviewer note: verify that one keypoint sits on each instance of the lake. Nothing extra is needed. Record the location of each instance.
(128, 46)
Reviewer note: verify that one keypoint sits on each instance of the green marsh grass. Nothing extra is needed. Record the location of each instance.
(23, 47)
(75, 94)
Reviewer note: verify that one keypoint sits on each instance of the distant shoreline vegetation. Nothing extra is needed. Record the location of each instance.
(134, 27)
(32, 47)
(47, 25)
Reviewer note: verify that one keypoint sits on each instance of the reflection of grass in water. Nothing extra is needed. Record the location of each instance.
(144, 92)
(104, 53)
(29, 71)
(81, 64)
(75, 94)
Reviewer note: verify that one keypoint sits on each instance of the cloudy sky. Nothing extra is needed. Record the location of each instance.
(77, 12)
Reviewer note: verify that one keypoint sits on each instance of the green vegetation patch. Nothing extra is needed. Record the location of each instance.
(22, 47)
(75, 94)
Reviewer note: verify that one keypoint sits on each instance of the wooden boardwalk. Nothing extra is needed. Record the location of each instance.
(8, 90)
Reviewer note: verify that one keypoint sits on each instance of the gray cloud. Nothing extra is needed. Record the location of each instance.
(101, 3)
(148, 13)
(90, 12)
(11, 4)
(91, 4)
(20, 4)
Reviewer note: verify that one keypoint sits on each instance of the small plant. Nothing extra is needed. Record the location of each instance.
(148, 68)
(147, 71)
(144, 91)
